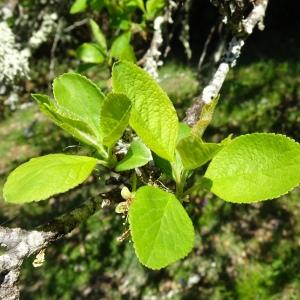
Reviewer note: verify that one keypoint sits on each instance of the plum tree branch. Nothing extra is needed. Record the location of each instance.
(151, 60)
(211, 91)
(20, 244)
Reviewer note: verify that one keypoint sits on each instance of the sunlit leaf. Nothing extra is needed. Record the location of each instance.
(78, 6)
(138, 155)
(45, 176)
(194, 153)
(121, 48)
(255, 167)
(90, 53)
(114, 117)
(161, 230)
(80, 96)
(98, 35)
(153, 116)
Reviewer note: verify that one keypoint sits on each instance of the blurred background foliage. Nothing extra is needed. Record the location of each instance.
(241, 251)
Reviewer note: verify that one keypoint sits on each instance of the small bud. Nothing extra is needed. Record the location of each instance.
(39, 259)
(125, 193)
(122, 208)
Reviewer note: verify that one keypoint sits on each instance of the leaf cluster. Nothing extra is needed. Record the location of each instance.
(122, 21)
(246, 169)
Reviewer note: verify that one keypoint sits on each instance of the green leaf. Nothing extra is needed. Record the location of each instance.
(80, 96)
(176, 165)
(153, 116)
(194, 153)
(255, 167)
(65, 120)
(154, 7)
(98, 35)
(114, 118)
(163, 164)
(175, 168)
(205, 118)
(135, 4)
(78, 6)
(183, 131)
(45, 176)
(161, 229)
(97, 4)
(138, 155)
(90, 53)
(121, 48)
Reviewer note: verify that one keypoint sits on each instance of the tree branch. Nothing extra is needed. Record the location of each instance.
(211, 91)
(151, 60)
(20, 244)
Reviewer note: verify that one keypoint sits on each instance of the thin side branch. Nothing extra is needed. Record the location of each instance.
(211, 91)
(151, 60)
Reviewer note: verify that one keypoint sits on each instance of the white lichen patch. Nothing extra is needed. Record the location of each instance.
(13, 61)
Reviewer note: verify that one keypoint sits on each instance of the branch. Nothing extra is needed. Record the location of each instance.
(151, 60)
(184, 36)
(20, 244)
(211, 91)
(207, 42)
(7, 8)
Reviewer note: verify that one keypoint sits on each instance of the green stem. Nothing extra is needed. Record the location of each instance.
(180, 185)
(103, 163)
(101, 151)
(111, 159)
(134, 181)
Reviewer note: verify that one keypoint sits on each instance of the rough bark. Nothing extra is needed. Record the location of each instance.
(244, 29)
(20, 244)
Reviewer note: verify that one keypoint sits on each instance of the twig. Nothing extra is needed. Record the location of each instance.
(211, 91)
(151, 60)
(204, 51)
(177, 20)
(56, 39)
(185, 31)
(75, 25)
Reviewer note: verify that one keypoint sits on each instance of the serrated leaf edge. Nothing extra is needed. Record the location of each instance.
(47, 197)
(173, 261)
(266, 199)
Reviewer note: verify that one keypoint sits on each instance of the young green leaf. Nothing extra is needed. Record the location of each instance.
(114, 118)
(78, 6)
(161, 229)
(90, 53)
(255, 167)
(194, 153)
(138, 155)
(98, 35)
(97, 4)
(121, 48)
(80, 96)
(206, 115)
(176, 168)
(153, 116)
(163, 164)
(65, 120)
(134, 4)
(154, 7)
(183, 131)
(45, 176)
